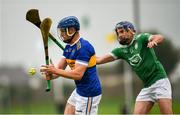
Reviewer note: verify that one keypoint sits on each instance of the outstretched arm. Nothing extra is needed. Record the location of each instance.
(155, 40)
(104, 59)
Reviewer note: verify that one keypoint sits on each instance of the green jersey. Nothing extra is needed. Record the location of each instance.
(141, 59)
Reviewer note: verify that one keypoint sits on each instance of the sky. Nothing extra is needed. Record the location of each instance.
(21, 42)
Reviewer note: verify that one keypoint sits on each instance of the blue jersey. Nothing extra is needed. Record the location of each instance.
(82, 52)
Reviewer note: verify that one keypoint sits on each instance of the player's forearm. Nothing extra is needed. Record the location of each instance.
(100, 60)
(104, 59)
(54, 76)
(70, 74)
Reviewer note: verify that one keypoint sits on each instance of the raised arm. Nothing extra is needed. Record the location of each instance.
(155, 40)
(104, 59)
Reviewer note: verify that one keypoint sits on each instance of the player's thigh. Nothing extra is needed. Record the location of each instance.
(94, 106)
(143, 107)
(71, 103)
(165, 105)
(87, 105)
(69, 109)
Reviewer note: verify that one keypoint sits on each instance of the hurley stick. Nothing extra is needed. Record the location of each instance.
(32, 16)
(45, 28)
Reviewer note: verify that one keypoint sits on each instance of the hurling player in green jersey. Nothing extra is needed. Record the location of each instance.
(137, 50)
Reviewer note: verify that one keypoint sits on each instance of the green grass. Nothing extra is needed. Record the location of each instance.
(33, 108)
(114, 106)
(108, 105)
(176, 110)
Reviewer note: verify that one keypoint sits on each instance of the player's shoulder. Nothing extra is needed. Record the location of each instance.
(84, 43)
(119, 48)
(83, 46)
(144, 34)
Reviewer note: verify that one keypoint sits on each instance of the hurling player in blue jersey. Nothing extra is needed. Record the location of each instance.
(79, 55)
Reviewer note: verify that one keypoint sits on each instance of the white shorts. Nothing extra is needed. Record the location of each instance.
(160, 89)
(84, 105)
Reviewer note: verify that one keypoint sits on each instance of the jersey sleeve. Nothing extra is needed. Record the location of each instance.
(83, 55)
(145, 37)
(64, 53)
(116, 53)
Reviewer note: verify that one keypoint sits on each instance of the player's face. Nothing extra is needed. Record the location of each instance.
(123, 36)
(62, 33)
(65, 34)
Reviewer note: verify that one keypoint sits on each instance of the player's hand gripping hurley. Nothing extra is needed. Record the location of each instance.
(45, 27)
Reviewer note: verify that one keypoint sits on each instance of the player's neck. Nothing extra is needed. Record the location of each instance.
(131, 40)
(75, 39)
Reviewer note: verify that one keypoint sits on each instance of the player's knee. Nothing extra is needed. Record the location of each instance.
(140, 110)
(69, 110)
(166, 111)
